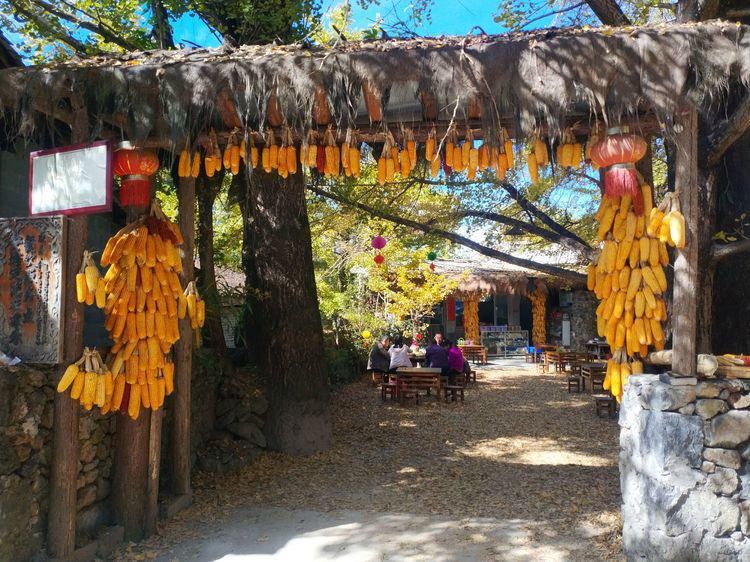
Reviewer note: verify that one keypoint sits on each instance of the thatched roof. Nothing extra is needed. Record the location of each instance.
(543, 78)
(493, 277)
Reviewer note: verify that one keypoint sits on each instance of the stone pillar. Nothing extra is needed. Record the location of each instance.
(685, 469)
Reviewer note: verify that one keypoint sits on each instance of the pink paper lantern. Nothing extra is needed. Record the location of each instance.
(378, 242)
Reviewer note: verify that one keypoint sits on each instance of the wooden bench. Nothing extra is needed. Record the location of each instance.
(476, 353)
(605, 404)
(455, 390)
(413, 381)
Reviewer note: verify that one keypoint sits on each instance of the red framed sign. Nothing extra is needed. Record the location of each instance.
(72, 180)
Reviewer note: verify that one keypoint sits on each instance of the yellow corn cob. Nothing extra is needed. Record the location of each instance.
(134, 403)
(533, 167)
(81, 287)
(78, 383)
(70, 374)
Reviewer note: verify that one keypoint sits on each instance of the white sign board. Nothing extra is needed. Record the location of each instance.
(71, 180)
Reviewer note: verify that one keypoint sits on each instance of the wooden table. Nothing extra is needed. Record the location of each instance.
(477, 353)
(412, 380)
(593, 372)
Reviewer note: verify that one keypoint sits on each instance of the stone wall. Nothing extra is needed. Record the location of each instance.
(26, 419)
(582, 319)
(685, 469)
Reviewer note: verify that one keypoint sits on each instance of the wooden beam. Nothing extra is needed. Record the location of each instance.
(227, 110)
(373, 102)
(273, 111)
(720, 252)
(428, 100)
(644, 125)
(183, 349)
(321, 111)
(61, 522)
(735, 127)
(686, 272)
(474, 108)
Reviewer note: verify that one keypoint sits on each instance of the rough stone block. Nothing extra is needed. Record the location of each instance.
(740, 401)
(745, 517)
(248, 431)
(86, 496)
(729, 430)
(723, 481)
(708, 408)
(723, 457)
(708, 389)
(688, 410)
(703, 509)
(665, 397)
(666, 437)
(668, 378)
(708, 467)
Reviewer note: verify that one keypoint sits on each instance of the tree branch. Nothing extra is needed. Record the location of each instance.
(608, 12)
(720, 252)
(530, 208)
(548, 235)
(50, 28)
(553, 13)
(727, 135)
(101, 30)
(162, 28)
(8, 55)
(458, 239)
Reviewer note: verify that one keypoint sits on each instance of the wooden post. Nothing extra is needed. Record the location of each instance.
(129, 491)
(130, 483)
(61, 519)
(686, 281)
(183, 349)
(64, 466)
(154, 464)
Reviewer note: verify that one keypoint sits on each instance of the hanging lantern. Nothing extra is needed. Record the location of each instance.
(432, 255)
(379, 259)
(135, 166)
(378, 242)
(366, 334)
(618, 152)
(432, 267)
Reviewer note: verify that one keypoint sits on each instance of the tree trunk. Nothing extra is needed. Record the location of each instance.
(213, 333)
(288, 333)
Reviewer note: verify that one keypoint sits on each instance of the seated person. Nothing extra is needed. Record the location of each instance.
(399, 355)
(436, 356)
(455, 362)
(380, 359)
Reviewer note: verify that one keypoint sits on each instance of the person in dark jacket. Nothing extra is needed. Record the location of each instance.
(436, 355)
(380, 359)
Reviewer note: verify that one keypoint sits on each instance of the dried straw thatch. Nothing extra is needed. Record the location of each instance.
(521, 81)
(491, 277)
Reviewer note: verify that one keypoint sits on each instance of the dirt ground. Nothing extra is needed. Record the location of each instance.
(521, 470)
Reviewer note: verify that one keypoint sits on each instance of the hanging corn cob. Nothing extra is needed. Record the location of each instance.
(89, 380)
(195, 307)
(89, 284)
(142, 308)
(538, 299)
(629, 280)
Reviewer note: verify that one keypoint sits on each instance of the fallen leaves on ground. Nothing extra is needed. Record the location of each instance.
(519, 447)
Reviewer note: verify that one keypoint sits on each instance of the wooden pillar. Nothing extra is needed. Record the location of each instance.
(64, 465)
(183, 349)
(129, 490)
(154, 464)
(686, 272)
(61, 519)
(131, 484)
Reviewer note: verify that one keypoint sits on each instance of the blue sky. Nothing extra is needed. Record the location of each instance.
(449, 17)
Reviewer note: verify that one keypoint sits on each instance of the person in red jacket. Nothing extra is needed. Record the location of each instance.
(455, 361)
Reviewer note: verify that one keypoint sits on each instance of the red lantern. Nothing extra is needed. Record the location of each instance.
(618, 152)
(379, 259)
(135, 165)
